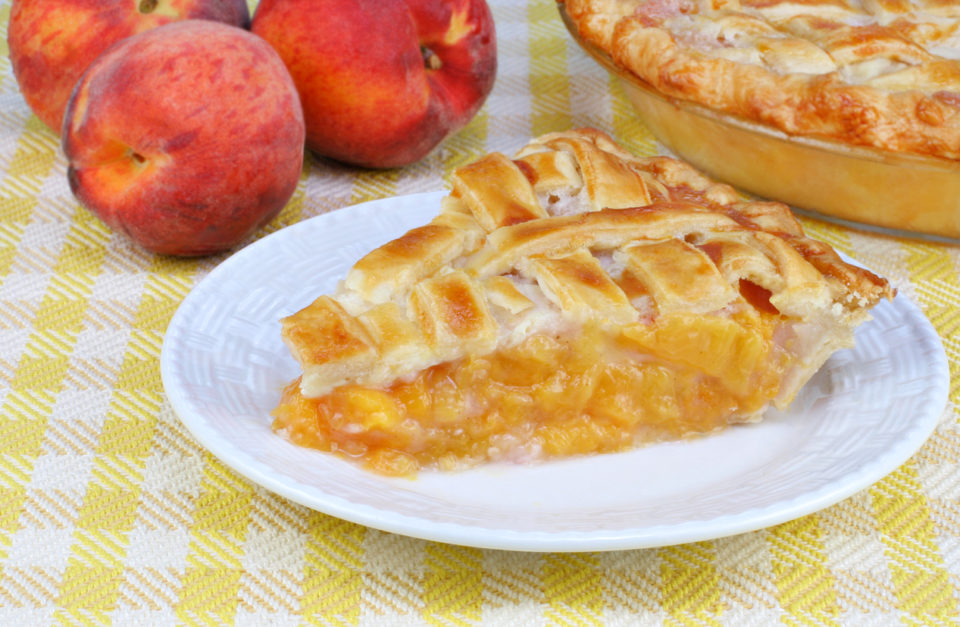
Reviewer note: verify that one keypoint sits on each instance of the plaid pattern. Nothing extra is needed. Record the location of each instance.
(110, 513)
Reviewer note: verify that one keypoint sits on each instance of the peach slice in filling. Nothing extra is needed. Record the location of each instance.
(599, 390)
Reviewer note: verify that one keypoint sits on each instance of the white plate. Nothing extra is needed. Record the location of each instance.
(224, 365)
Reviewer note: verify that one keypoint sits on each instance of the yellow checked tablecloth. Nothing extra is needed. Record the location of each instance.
(111, 513)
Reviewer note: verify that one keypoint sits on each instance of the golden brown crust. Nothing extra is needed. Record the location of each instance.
(884, 74)
(665, 241)
(496, 192)
(678, 275)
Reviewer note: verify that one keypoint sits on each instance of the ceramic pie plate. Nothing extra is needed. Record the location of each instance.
(224, 365)
(902, 193)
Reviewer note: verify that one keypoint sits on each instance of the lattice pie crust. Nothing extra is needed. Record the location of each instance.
(881, 73)
(573, 299)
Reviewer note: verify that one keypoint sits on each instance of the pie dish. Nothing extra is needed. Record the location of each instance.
(884, 73)
(573, 299)
(876, 161)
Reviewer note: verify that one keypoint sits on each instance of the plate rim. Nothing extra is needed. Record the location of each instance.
(749, 519)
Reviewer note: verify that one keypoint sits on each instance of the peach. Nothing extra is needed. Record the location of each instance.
(383, 82)
(53, 41)
(187, 137)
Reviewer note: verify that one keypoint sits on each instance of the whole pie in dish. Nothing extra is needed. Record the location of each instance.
(573, 299)
(880, 73)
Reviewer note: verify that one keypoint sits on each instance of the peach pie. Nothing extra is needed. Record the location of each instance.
(573, 299)
(880, 73)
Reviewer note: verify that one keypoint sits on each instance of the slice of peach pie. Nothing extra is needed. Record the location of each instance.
(574, 299)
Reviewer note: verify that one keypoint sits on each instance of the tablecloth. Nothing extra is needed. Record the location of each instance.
(111, 513)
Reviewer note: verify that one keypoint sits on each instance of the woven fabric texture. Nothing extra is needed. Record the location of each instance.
(110, 513)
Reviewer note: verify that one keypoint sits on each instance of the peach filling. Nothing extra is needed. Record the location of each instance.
(598, 391)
